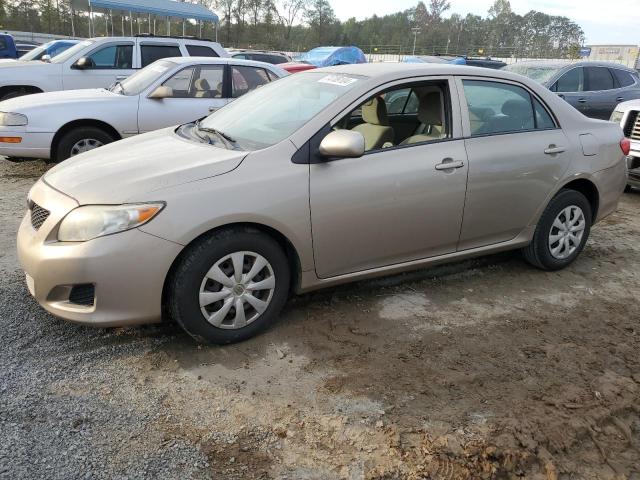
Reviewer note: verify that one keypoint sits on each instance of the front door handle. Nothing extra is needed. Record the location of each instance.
(213, 109)
(582, 100)
(552, 150)
(449, 164)
(121, 77)
(620, 99)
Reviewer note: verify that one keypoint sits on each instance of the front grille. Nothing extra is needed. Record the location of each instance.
(38, 215)
(82, 294)
(632, 126)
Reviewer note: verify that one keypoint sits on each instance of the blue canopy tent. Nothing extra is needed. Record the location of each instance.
(158, 8)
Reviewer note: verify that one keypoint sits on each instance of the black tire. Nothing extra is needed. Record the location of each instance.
(69, 139)
(13, 94)
(628, 189)
(183, 286)
(538, 252)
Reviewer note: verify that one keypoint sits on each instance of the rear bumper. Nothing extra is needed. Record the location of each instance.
(611, 183)
(33, 144)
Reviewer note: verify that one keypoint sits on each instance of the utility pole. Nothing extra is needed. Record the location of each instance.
(416, 31)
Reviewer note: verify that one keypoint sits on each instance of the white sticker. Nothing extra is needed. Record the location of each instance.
(340, 80)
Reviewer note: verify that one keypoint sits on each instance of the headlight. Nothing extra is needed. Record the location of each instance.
(616, 116)
(91, 221)
(12, 119)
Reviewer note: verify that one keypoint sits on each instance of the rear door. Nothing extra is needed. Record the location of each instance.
(516, 151)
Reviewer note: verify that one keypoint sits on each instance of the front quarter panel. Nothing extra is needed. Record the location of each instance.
(265, 189)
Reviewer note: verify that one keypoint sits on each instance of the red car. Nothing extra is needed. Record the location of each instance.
(295, 67)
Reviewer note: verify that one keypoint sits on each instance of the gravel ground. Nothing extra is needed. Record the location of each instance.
(482, 369)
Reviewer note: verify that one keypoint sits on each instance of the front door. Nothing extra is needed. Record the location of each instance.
(516, 154)
(107, 64)
(396, 203)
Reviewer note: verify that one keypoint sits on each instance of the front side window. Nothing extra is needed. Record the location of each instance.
(572, 81)
(496, 107)
(270, 114)
(70, 52)
(112, 56)
(201, 51)
(151, 53)
(180, 82)
(245, 79)
(599, 78)
(143, 78)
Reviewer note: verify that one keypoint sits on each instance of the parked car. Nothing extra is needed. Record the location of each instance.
(59, 125)
(44, 52)
(261, 56)
(7, 46)
(486, 62)
(24, 47)
(594, 88)
(325, 57)
(97, 62)
(433, 59)
(212, 221)
(627, 114)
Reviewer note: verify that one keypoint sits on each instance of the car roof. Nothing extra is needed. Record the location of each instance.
(410, 69)
(566, 63)
(221, 60)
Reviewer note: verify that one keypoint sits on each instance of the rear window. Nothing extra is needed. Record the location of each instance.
(625, 79)
(151, 53)
(201, 51)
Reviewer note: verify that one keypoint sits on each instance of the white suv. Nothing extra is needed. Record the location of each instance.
(98, 62)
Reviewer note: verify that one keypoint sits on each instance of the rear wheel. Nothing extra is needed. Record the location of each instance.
(80, 140)
(229, 286)
(561, 232)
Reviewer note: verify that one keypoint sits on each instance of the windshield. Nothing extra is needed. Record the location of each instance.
(539, 73)
(67, 54)
(36, 53)
(140, 80)
(273, 112)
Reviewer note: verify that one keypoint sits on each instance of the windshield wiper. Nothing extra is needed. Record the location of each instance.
(226, 139)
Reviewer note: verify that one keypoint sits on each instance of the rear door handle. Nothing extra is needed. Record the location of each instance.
(552, 150)
(213, 109)
(620, 99)
(582, 100)
(121, 77)
(449, 164)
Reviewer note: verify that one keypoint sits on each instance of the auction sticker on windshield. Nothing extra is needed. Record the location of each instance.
(340, 80)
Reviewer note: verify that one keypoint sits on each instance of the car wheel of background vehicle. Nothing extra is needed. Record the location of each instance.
(80, 140)
(561, 232)
(229, 286)
(13, 94)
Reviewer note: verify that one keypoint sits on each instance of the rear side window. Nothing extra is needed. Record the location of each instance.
(598, 78)
(572, 81)
(112, 56)
(277, 59)
(246, 79)
(151, 53)
(496, 107)
(625, 79)
(201, 51)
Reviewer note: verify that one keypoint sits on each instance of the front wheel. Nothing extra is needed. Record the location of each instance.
(229, 286)
(561, 232)
(80, 140)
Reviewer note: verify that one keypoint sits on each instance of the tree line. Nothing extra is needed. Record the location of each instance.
(298, 25)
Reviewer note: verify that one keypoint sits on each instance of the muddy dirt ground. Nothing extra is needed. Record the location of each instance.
(481, 369)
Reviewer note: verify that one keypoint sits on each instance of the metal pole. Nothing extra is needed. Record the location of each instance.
(149, 23)
(154, 26)
(122, 24)
(73, 28)
(106, 25)
(111, 15)
(168, 27)
(199, 29)
(90, 21)
(131, 22)
(183, 20)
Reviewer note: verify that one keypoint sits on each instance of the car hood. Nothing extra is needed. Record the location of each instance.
(138, 166)
(65, 98)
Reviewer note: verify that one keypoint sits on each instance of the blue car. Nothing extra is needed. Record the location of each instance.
(51, 49)
(329, 56)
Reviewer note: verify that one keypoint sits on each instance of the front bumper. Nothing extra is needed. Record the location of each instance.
(33, 144)
(126, 270)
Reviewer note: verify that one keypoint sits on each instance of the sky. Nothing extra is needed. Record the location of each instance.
(603, 21)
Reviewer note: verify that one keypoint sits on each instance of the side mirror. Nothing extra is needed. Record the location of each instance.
(46, 58)
(83, 63)
(342, 143)
(161, 92)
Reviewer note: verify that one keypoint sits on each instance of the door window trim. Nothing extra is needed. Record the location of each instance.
(106, 45)
(466, 123)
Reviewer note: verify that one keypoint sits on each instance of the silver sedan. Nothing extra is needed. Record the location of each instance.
(320, 178)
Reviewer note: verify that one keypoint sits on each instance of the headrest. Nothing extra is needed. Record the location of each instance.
(202, 84)
(516, 108)
(375, 112)
(430, 109)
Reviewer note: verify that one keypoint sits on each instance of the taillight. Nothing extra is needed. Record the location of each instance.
(625, 146)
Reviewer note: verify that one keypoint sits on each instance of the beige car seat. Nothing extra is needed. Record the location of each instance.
(203, 90)
(375, 129)
(430, 117)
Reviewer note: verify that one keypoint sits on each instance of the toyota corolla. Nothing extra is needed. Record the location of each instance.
(313, 181)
